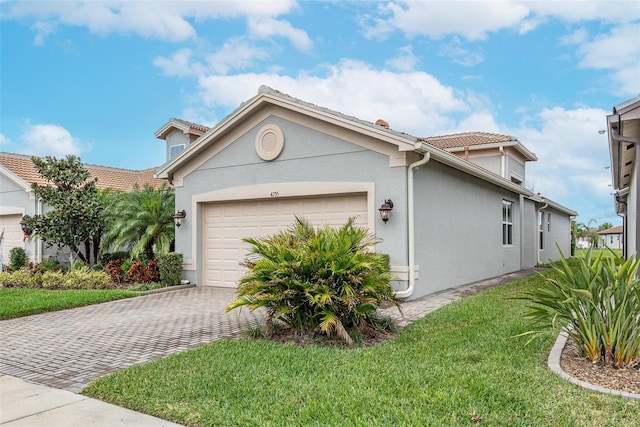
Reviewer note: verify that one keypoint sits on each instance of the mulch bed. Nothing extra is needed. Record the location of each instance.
(599, 374)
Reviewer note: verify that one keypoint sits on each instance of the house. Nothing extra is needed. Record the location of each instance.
(17, 173)
(589, 239)
(623, 127)
(459, 212)
(612, 237)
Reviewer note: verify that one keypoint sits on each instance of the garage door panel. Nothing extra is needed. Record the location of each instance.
(227, 223)
(12, 237)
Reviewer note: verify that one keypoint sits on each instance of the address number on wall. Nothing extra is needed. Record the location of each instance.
(275, 194)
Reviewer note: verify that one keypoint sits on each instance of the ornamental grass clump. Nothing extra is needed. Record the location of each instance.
(316, 280)
(598, 301)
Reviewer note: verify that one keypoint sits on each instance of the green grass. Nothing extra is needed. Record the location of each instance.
(580, 253)
(18, 302)
(458, 366)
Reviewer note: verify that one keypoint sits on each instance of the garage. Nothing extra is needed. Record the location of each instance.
(227, 223)
(11, 235)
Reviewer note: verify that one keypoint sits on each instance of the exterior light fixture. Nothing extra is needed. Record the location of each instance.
(179, 216)
(23, 225)
(385, 210)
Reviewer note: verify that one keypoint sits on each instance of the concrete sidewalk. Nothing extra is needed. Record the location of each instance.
(25, 404)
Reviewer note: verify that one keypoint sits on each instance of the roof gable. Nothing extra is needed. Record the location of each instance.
(21, 166)
(184, 126)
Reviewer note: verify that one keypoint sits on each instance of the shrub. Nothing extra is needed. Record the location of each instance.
(21, 278)
(17, 258)
(115, 271)
(325, 280)
(137, 272)
(53, 280)
(599, 301)
(108, 257)
(170, 268)
(85, 278)
(152, 272)
(51, 264)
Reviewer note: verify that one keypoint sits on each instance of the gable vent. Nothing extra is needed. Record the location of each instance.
(269, 142)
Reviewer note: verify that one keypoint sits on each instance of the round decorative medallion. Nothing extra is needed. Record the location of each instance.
(269, 142)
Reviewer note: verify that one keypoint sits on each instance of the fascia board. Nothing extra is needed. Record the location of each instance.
(529, 155)
(26, 186)
(171, 124)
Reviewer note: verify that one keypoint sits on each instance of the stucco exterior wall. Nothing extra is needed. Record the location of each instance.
(308, 156)
(459, 229)
(555, 234)
(529, 230)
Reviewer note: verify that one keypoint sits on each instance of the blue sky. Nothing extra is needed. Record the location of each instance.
(98, 78)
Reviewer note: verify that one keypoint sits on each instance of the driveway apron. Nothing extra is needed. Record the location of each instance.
(70, 348)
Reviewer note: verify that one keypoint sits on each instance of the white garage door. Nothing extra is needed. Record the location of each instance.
(12, 237)
(227, 223)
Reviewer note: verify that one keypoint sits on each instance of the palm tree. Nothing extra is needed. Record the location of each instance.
(142, 221)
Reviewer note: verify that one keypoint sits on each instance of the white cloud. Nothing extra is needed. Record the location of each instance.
(405, 60)
(460, 55)
(413, 102)
(572, 155)
(617, 51)
(168, 20)
(235, 55)
(265, 28)
(178, 64)
(50, 140)
(437, 18)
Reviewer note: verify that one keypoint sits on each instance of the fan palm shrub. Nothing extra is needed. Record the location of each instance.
(142, 221)
(316, 280)
(598, 301)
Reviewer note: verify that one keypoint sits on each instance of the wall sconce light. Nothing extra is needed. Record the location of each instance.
(385, 210)
(23, 225)
(179, 216)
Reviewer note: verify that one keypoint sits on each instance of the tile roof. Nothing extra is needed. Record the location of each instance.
(114, 178)
(467, 139)
(613, 230)
(193, 126)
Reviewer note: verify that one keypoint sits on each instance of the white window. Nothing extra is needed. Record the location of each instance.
(549, 222)
(174, 150)
(507, 223)
(541, 228)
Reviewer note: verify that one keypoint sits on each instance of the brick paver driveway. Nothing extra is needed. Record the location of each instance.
(68, 349)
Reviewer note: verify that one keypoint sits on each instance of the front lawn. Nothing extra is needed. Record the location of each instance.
(18, 302)
(458, 366)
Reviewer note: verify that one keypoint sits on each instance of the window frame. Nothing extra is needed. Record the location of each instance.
(507, 223)
(171, 157)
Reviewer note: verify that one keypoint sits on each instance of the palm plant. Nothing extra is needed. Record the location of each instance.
(598, 301)
(142, 221)
(322, 280)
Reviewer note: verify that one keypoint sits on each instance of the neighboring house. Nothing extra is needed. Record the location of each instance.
(612, 237)
(17, 173)
(589, 239)
(460, 212)
(623, 127)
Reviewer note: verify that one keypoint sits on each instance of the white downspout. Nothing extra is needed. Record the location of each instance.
(503, 163)
(410, 225)
(539, 225)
